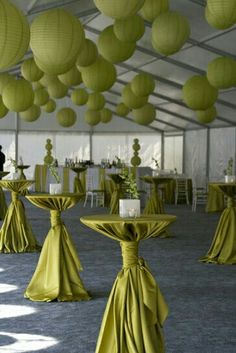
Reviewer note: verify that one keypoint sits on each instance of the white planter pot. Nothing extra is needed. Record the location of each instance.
(55, 189)
(229, 178)
(129, 208)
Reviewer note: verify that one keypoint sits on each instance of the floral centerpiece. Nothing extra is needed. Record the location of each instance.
(54, 188)
(156, 163)
(228, 172)
(129, 207)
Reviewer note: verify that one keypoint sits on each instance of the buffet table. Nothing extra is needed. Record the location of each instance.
(57, 274)
(136, 310)
(223, 247)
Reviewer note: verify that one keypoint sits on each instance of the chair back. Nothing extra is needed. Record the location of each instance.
(92, 179)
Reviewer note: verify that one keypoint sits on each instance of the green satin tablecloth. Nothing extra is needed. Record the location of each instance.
(116, 194)
(136, 309)
(16, 234)
(215, 199)
(57, 273)
(223, 247)
(3, 204)
(78, 184)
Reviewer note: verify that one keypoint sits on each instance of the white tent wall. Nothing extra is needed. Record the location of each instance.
(173, 153)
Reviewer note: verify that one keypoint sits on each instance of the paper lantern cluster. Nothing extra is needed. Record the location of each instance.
(221, 14)
(66, 117)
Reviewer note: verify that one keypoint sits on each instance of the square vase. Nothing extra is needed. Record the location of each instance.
(129, 208)
(55, 189)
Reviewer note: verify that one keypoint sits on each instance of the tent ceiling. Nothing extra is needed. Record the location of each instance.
(205, 44)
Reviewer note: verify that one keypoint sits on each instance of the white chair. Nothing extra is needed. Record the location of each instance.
(93, 190)
(199, 196)
(181, 190)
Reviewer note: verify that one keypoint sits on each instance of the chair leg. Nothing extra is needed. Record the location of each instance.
(91, 200)
(86, 198)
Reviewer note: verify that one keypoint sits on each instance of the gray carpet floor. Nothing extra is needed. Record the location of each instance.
(201, 297)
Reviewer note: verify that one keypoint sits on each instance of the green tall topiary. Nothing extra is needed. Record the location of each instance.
(48, 159)
(136, 160)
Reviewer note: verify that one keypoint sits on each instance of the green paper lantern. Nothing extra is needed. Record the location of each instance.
(50, 106)
(142, 84)
(92, 117)
(131, 100)
(153, 8)
(56, 39)
(221, 14)
(119, 9)
(96, 101)
(206, 116)
(5, 78)
(100, 76)
(144, 115)
(170, 30)
(130, 29)
(112, 49)
(18, 95)
(221, 72)
(31, 114)
(79, 96)
(48, 80)
(41, 96)
(71, 77)
(122, 109)
(14, 34)
(66, 117)
(3, 109)
(57, 90)
(105, 115)
(88, 54)
(30, 71)
(198, 94)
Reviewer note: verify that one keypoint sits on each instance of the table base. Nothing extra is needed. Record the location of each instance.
(16, 234)
(223, 247)
(154, 205)
(56, 276)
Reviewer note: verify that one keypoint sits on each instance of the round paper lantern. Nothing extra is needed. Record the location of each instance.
(96, 101)
(221, 14)
(88, 54)
(14, 34)
(99, 76)
(130, 29)
(112, 49)
(5, 78)
(3, 109)
(30, 70)
(153, 8)
(47, 80)
(221, 72)
(71, 77)
(198, 94)
(142, 84)
(122, 109)
(170, 30)
(56, 38)
(41, 96)
(131, 100)
(37, 85)
(92, 117)
(118, 9)
(66, 117)
(57, 90)
(79, 96)
(50, 106)
(144, 115)
(18, 95)
(105, 115)
(206, 116)
(31, 114)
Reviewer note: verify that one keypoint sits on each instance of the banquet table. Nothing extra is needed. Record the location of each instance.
(136, 309)
(3, 204)
(155, 204)
(223, 247)
(16, 234)
(117, 193)
(57, 273)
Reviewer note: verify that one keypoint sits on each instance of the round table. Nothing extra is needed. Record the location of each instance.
(21, 169)
(78, 187)
(16, 234)
(3, 204)
(223, 247)
(136, 309)
(57, 273)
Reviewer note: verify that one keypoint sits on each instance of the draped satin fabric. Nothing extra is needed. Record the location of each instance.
(136, 310)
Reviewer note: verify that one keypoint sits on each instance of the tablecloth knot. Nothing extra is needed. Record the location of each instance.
(129, 253)
(55, 218)
(14, 196)
(230, 202)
